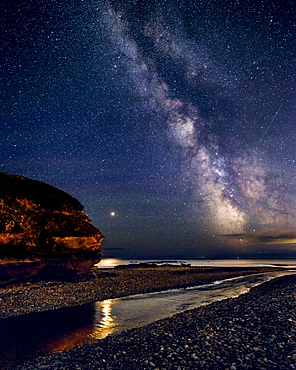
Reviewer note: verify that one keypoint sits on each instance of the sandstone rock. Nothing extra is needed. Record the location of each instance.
(43, 229)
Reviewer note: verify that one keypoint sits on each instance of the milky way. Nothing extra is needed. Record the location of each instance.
(176, 117)
(237, 192)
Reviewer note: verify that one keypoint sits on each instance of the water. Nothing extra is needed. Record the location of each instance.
(236, 262)
(115, 315)
(27, 337)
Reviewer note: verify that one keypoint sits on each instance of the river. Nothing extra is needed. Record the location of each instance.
(29, 336)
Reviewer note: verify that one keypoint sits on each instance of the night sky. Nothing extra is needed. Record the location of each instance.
(172, 122)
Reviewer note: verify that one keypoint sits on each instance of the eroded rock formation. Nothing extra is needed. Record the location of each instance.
(43, 230)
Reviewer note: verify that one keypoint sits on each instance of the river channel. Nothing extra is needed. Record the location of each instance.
(29, 336)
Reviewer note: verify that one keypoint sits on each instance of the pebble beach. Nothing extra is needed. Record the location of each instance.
(37, 296)
(253, 331)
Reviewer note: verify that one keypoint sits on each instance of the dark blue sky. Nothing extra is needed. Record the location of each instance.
(179, 116)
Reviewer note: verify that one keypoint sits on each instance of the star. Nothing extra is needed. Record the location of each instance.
(177, 113)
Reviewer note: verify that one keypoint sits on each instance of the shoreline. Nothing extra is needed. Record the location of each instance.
(252, 331)
(110, 283)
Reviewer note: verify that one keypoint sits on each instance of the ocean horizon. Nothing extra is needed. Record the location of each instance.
(202, 262)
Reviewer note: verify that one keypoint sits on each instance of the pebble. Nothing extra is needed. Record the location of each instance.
(273, 302)
(106, 284)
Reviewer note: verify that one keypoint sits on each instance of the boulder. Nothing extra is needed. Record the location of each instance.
(44, 231)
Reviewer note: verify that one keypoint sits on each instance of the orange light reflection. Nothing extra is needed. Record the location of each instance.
(107, 324)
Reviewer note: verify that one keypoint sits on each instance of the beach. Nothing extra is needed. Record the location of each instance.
(101, 284)
(253, 331)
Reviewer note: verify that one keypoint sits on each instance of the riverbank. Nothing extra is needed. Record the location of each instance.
(253, 331)
(110, 283)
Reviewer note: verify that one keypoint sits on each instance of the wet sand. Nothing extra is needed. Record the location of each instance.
(254, 331)
(109, 283)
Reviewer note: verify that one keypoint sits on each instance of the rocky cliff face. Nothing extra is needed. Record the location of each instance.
(43, 230)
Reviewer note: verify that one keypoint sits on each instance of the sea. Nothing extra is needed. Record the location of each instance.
(202, 262)
(41, 334)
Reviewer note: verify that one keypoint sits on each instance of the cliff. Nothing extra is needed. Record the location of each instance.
(43, 230)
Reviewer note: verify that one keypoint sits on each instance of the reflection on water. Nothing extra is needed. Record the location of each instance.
(26, 337)
(111, 262)
(141, 309)
(105, 322)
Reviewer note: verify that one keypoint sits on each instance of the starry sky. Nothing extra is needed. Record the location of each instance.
(171, 121)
